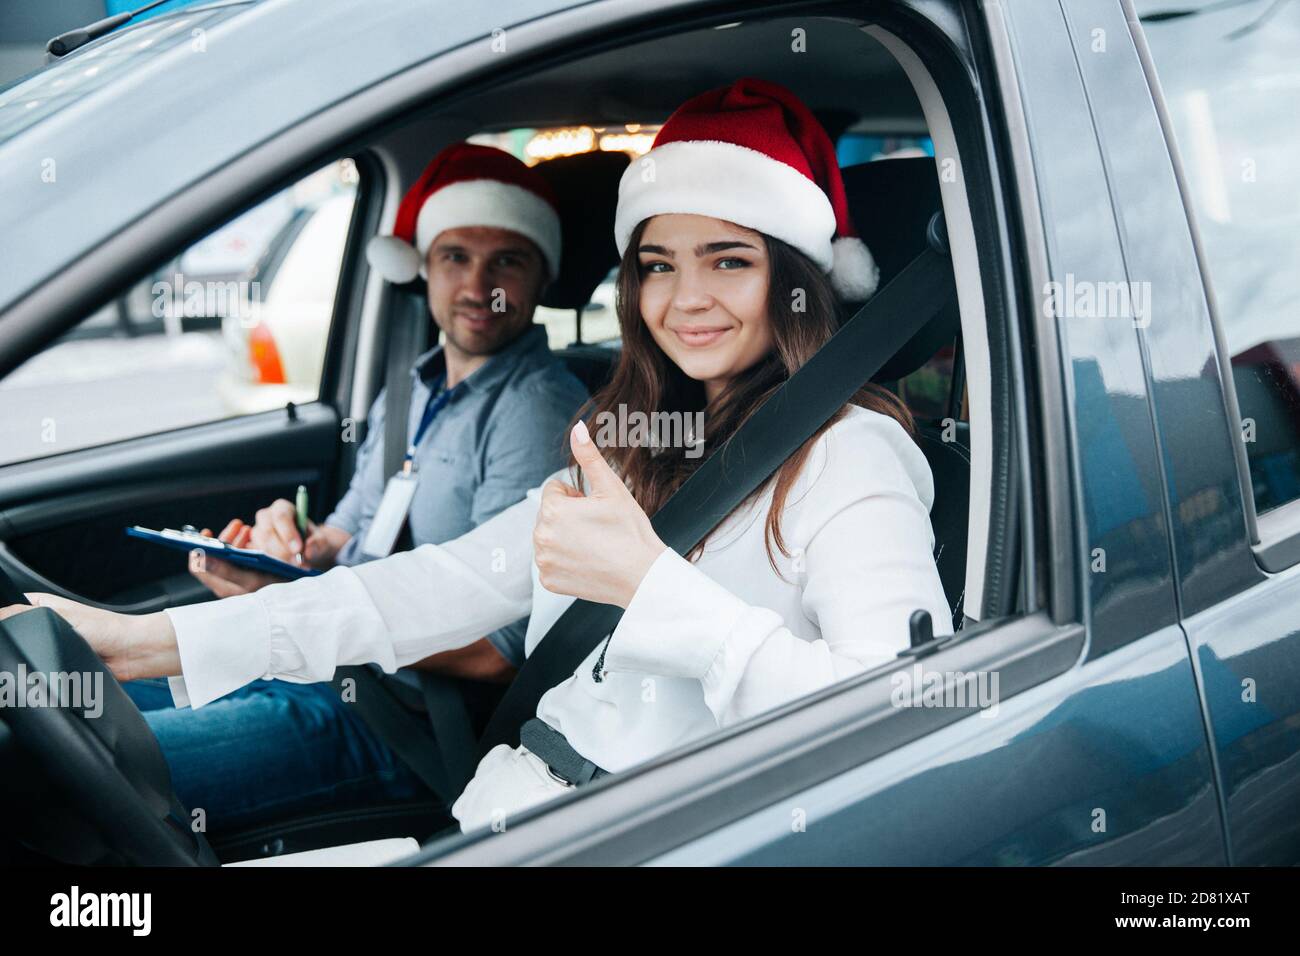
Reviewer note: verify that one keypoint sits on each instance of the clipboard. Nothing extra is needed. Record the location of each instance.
(188, 540)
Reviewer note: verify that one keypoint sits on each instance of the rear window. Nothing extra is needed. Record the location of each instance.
(1231, 81)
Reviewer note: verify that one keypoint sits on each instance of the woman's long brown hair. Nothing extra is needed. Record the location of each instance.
(646, 380)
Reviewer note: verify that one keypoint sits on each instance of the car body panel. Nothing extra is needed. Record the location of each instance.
(1242, 624)
(1104, 765)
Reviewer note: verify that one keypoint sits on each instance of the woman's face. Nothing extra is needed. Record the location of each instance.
(704, 289)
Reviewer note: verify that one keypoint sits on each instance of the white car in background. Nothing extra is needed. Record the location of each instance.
(277, 338)
(599, 319)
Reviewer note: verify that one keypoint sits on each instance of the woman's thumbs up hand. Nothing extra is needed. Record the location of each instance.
(596, 546)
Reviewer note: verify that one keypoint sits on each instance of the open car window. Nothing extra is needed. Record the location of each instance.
(901, 165)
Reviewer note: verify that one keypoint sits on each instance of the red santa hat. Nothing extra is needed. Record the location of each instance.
(468, 185)
(752, 153)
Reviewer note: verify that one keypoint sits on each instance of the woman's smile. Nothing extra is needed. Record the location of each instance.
(700, 336)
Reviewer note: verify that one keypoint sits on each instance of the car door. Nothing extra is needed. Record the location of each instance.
(200, 401)
(1226, 387)
(1094, 750)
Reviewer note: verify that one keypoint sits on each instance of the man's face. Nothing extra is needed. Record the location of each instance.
(483, 286)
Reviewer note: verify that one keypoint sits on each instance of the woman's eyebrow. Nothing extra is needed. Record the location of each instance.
(703, 249)
(709, 248)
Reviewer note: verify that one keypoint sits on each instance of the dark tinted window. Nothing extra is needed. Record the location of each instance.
(1231, 79)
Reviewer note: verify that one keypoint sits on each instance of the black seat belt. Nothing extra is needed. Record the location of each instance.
(803, 403)
(442, 760)
(444, 699)
(404, 731)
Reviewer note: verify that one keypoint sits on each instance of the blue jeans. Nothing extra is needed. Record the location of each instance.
(271, 750)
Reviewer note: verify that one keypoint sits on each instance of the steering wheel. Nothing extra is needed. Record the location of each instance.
(85, 778)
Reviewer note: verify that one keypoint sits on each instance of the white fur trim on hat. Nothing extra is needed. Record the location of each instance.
(854, 274)
(726, 181)
(488, 202)
(394, 259)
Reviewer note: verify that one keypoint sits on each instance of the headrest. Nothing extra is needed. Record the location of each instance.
(587, 188)
(891, 202)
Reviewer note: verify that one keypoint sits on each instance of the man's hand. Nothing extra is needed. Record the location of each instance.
(131, 645)
(227, 580)
(223, 578)
(275, 531)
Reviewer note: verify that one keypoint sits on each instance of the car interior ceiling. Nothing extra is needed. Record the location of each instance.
(844, 74)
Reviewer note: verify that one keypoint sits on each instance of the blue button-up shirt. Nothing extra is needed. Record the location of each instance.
(502, 432)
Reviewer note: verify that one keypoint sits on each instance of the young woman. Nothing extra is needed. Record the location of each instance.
(735, 239)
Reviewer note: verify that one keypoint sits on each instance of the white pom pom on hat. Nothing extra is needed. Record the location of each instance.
(394, 259)
(468, 185)
(854, 273)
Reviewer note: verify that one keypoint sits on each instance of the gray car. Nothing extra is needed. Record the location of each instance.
(1110, 402)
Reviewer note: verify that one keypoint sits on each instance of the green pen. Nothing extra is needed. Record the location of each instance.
(300, 503)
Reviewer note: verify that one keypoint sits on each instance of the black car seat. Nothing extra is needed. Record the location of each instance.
(587, 188)
(891, 202)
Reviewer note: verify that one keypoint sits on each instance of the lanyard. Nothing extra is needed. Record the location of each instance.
(439, 395)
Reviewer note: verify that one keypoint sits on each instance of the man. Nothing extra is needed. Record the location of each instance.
(487, 421)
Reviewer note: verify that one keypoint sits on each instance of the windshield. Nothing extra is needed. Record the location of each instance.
(38, 95)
